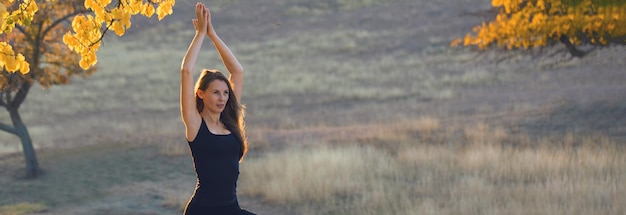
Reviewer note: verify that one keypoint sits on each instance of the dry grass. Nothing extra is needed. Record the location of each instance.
(22, 208)
(314, 174)
(176, 199)
(335, 121)
(326, 6)
(478, 175)
(174, 149)
(109, 178)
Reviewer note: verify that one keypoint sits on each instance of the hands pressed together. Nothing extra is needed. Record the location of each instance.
(202, 22)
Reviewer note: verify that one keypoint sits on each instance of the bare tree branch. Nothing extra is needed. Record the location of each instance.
(7, 94)
(571, 47)
(2, 103)
(8, 128)
(21, 29)
(21, 94)
(64, 18)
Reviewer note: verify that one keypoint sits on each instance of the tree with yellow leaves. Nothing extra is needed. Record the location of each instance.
(538, 23)
(49, 41)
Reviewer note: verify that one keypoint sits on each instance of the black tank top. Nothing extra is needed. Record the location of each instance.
(216, 161)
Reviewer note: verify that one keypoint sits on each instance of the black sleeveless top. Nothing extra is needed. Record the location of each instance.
(216, 161)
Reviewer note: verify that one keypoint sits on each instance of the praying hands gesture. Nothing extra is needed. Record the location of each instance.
(204, 28)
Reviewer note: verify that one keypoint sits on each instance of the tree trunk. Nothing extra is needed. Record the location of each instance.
(571, 47)
(30, 158)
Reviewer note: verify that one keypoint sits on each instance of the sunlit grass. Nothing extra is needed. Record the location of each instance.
(315, 174)
(325, 129)
(22, 208)
(326, 6)
(413, 168)
(477, 175)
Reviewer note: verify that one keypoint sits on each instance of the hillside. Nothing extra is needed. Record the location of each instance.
(317, 73)
(320, 63)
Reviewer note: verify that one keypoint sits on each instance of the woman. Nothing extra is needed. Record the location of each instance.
(214, 126)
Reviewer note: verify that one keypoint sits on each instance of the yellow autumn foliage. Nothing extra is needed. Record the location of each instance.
(536, 23)
(12, 61)
(9, 60)
(86, 30)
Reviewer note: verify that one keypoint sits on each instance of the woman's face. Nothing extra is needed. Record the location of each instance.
(215, 96)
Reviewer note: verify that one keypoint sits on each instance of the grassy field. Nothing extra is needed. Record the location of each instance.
(353, 107)
(479, 176)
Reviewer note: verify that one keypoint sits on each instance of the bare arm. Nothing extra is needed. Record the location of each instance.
(190, 115)
(228, 58)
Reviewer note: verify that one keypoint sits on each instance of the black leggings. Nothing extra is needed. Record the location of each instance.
(194, 208)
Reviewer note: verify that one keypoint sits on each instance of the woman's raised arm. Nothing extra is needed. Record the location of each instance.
(190, 115)
(228, 58)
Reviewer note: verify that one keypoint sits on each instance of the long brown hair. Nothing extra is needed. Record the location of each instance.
(232, 115)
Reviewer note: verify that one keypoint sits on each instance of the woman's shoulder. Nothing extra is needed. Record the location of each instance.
(192, 132)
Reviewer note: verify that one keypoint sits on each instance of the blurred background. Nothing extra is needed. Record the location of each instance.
(352, 107)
